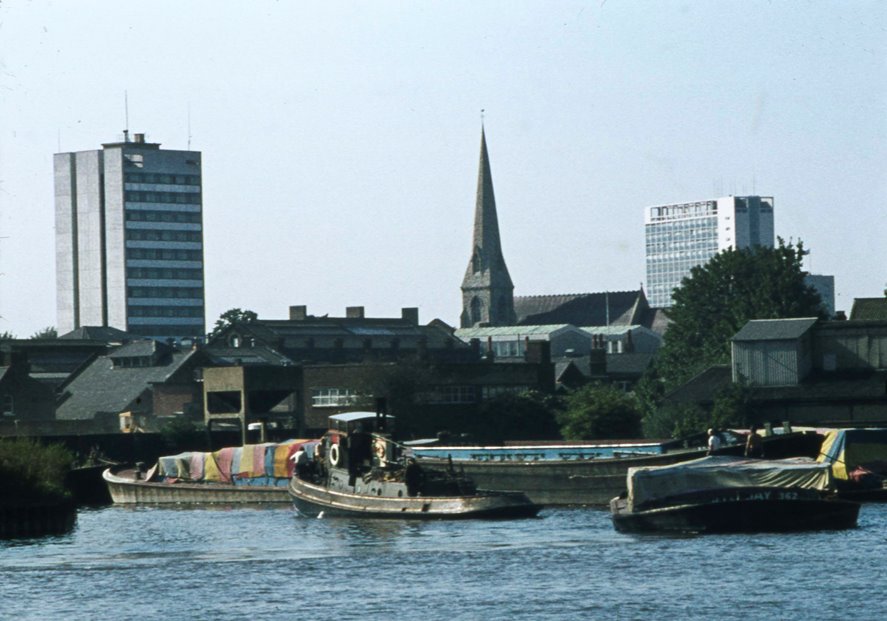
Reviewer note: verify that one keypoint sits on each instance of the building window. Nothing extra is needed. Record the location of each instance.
(450, 394)
(332, 397)
(491, 392)
(508, 349)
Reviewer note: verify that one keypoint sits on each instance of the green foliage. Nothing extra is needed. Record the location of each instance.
(32, 472)
(46, 333)
(599, 411)
(530, 415)
(649, 393)
(733, 407)
(4, 336)
(719, 297)
(676, 420)
(183, 434)
(230, 317)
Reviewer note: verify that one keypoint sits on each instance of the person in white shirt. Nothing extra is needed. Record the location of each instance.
(714, 441)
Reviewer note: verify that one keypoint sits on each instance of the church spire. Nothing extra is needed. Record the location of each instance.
(487, 290)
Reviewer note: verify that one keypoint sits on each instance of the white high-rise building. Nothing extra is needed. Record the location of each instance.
(129, 240)
(683, 235)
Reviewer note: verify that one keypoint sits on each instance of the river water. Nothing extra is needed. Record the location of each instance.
(268, 562)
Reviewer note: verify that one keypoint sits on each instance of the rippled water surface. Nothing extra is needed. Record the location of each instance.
(263, 563)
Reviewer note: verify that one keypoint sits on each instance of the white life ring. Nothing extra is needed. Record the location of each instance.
(334, 454)
(379, 448)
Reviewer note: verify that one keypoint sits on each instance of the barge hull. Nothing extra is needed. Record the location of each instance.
(126, 490)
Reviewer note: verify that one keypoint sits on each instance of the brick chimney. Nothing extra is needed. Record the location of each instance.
(354, 312)
(411, 315)
(538, 352)
(298, 313)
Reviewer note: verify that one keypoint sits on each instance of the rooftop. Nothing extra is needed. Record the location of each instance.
(775, 329)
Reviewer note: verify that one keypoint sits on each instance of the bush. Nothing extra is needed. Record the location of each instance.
(672, 420)
(529, 415)
(32, 472)
(600, 411)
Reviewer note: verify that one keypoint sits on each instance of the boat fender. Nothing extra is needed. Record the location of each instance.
(334, 454)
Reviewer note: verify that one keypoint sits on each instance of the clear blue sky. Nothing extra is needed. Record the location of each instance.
(340, 140)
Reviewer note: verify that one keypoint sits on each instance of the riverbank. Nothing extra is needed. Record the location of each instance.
(34, 498)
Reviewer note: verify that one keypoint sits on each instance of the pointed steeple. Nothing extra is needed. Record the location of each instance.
(487, 290)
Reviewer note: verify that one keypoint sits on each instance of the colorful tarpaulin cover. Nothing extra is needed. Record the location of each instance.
(175, 466)
(252, 464)
(648, 484)
(848, 449)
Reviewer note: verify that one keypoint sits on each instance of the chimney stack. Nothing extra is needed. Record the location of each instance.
(354, 312)
(298, 313)
(411, 315)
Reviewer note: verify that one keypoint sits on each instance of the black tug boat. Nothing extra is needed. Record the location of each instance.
(357, 470)
(722, 494)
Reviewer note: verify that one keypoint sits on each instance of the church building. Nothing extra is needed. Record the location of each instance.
(487, 290)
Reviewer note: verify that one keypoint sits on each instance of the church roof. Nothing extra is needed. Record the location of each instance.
(869, 309)
(583, 309)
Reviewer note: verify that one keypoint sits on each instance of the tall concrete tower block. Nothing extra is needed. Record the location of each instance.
(129, 240)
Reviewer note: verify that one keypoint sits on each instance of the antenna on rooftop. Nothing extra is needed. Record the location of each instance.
(126, 115)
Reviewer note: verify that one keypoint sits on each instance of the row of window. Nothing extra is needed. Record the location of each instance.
(194, 293)
(165, 273)
(140, 215)
(134, 177)
(163, 331)
(508, 349)
(164, 254)
(164, 235)
(133, 362)
(332, 397)
(684, 210)
(165, 311)
(440, 395)
(182, 198)
(688, 257)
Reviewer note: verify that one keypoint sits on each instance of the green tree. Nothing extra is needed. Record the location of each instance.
(649, 394)
(676, 420)
(734, 407)
(4, 336)
(529, 415)
(30, 471)
(599, 411)
(230, 317)
(46, 333)
(719, 297)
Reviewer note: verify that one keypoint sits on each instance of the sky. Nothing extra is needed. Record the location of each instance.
(340, 140)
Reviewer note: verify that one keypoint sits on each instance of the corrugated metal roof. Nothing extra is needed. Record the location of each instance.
(611, 330)
(775, 329)
(474, 333)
